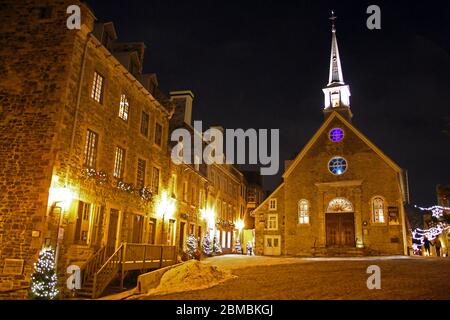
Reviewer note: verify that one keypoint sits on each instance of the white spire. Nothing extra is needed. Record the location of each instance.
(336, 93)
(336, 75)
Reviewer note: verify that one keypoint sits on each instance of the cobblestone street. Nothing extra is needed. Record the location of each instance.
(326, 278)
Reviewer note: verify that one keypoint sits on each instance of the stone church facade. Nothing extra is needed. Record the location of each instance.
(340, 195)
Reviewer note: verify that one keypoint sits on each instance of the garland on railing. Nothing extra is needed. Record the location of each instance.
(225, 223)
(127, 187)
(100, 177)
(145, 193)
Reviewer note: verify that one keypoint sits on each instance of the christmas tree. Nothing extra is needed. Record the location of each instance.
(207, 248)
(237, 246)
(191, 244)
(216, 246)
(44, 280)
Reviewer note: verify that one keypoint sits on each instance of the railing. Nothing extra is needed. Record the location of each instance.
(92, 265)
(107, 272)
(136, 255)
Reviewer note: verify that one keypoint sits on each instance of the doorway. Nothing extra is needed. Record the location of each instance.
(272, 245)
(112, 232)
(340, 228)
(181, 240)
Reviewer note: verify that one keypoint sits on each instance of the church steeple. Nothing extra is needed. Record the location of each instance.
(337, 93)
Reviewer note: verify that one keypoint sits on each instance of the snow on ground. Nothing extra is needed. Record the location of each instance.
(262, 278)
(234, 262)
(191, 275)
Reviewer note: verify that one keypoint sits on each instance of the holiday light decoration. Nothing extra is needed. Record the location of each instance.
(419, 235)
(436, 211)
(44, 279)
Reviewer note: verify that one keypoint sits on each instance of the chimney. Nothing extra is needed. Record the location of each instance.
(183, 105)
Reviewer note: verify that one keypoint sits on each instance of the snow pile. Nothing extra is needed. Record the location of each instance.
(191, 275)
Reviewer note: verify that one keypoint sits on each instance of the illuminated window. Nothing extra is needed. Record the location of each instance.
(273, 204)
(90, 149)
(303, 211)
(140, 176)
(335, 99)
(378, 210)
(339, 205)
(272, 222)
(337, 165)
(336, 134)
(124, 107)
(119, 162)
(97, 87)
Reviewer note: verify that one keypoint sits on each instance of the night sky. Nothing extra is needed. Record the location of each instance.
(262, 64)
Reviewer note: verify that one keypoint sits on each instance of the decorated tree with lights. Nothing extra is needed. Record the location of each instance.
(191, 244)
(207, 246)
(238, 246)
(44, 279)
(217, 249)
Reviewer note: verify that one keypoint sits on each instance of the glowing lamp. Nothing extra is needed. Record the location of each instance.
(240, 225)
(61, 196)
(209, 216)
(166, 206)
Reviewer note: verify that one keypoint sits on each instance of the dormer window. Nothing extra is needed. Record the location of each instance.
(134, 69)
(106, 39)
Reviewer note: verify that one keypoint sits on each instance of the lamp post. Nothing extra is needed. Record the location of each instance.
(63, 196)
(166, 206)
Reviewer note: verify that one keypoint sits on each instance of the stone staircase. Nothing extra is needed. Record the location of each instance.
(342, 252)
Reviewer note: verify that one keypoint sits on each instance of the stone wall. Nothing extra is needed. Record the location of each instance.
(34, 69)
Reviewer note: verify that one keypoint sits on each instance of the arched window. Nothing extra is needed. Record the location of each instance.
(303, 211)
(339, 205)
(378, 210)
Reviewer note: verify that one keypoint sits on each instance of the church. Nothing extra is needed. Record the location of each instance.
(341, 195)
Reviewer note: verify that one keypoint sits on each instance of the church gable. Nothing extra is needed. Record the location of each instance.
(327, 140)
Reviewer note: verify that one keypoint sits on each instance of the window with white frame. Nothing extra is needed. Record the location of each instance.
(124, 107)
(378, 210)
(272, 222)
(273, 204)
(303, 211)
(119, 162)
(97, 87)
(90, 149)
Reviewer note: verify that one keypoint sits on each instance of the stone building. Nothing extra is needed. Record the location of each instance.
(221, 191)
(341, 194)
(84, 151)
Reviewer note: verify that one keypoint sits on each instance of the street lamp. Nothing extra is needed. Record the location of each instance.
(209, 216)
(59, 197)
(165, 206)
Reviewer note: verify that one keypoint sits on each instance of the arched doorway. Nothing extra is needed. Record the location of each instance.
(340, 223)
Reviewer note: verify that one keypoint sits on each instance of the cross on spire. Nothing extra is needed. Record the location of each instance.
(333, 21)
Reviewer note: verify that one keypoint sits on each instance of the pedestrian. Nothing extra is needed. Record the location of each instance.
(426, 245)
(437, 245)
(249, 248)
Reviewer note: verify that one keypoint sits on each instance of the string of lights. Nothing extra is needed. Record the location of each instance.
(419, 235)
(437, 211)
